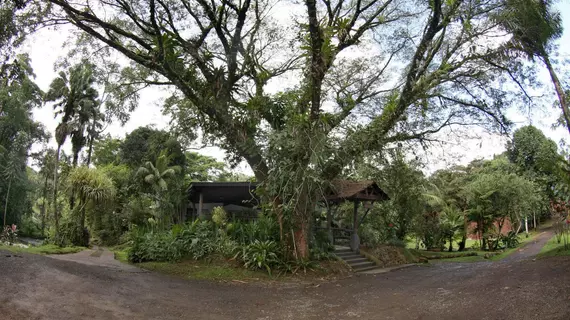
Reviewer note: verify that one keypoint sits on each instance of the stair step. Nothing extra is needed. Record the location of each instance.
(350, 258)
(356, 260)
(366, 269)
(344, 254)
(360, 265)
(342, 250)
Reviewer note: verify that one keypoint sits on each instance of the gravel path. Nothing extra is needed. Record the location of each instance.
(40, 287)
(531, 249)
(97, 256)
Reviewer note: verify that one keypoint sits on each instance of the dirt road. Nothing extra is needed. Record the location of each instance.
(40, 287)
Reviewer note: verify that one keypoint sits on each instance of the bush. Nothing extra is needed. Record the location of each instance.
(261, 255)
(219, 216)
(9, 234)
(510, 240)
(154, 246)
(265, 228)
(70, 233)
(199, 239)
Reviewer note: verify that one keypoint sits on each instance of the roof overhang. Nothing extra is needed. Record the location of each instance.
(237, 193)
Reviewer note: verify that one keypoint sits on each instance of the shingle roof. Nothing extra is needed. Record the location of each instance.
(356, 190)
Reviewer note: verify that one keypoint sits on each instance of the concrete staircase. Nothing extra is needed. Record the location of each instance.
(357, 262)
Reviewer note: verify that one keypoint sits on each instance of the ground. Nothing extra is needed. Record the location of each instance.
(89, 287)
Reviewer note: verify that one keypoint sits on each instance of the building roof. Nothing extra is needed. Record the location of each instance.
(366, 190)
(237, 193)
(242, 193)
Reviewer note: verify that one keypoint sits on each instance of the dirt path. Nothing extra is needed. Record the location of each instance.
(40, 287)
(97, 256)
(531, 249)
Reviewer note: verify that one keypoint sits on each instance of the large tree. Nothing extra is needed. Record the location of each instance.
(536, 157)
(74, 96)
(19, 95)
(300, 98)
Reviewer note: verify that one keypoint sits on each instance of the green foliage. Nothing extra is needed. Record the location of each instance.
(19, 96)
(219, 216)
(536, 157)
(145, 145)
(403, 182)
(92, 184)
(9, 234)
(204, 168)
(70, 234)
(510, 240)
(533, 24)
(153, 246)
(261, 255)
(44, 249)
(264, 228)
(106, 151)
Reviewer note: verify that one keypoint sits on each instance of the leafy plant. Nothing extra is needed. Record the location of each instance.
(510, 240)
(9, 234)
(260, 255)
(219, 216)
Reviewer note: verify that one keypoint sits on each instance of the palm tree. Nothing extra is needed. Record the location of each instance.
(46, 164)
(452, 220)
(534, 24)
(157, 175)
(74, 95)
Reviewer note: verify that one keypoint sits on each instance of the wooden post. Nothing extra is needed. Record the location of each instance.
(201, 206)
(354, 240)
(329, 225)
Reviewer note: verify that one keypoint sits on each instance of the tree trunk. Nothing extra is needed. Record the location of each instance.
(463, 243)
(90, 150)
(301, 224)
(7, 198)
(72, 196)
(534, 217)
(526, 226)
(44, 203)
(82, 204)
(451, 244)
(559, 90)
(55, 213)
(300, 239)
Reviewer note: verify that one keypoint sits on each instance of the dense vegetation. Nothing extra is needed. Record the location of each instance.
(339, 90)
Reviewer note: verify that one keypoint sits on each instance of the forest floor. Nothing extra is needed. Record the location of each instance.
(520, 287)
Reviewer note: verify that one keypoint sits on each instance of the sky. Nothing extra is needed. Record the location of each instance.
(46, 46)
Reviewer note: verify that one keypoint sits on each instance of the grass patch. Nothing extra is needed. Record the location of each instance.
(553, 249)
(218, 270)
(44, 249)
(121, 255)
(472, 258)
(469, 243)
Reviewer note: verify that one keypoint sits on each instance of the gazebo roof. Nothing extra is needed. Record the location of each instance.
(348, 190)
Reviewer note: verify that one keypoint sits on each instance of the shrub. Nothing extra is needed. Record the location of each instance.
(261, 255)
(510, 240)
(70, 233)
(265, 228)
(219, 216)
(154, 246)
(9, 234)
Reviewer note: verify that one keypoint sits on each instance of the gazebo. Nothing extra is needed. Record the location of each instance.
(366, 192)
